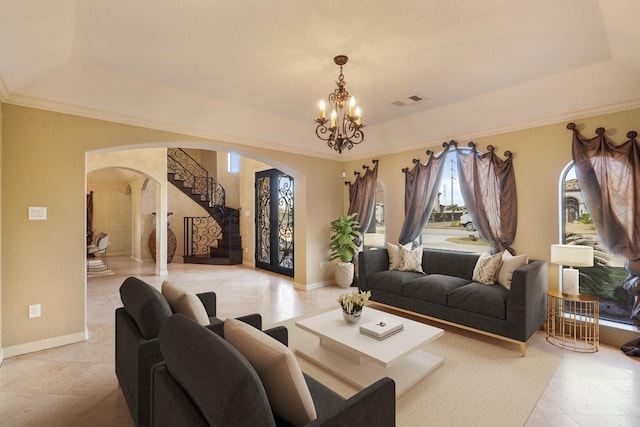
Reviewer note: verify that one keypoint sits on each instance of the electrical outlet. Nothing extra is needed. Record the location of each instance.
(34, 311)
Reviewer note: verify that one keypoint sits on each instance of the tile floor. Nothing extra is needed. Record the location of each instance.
(75, 385)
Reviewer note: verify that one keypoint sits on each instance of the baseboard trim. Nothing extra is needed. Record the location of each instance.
(30, 347)
(312, 286)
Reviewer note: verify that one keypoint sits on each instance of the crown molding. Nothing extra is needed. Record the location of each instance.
(78, 110)
(488, 132)
(98, 114)
(4, 90)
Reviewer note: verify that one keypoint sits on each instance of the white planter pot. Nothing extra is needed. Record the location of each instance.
(344, 274)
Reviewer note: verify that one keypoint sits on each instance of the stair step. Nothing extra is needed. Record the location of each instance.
(203, 259)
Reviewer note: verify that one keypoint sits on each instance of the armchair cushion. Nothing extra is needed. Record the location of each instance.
(184, 302)
(278, 369)
(146, 306)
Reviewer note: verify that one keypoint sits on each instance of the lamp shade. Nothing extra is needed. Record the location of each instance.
(572, 255)
(374, 240)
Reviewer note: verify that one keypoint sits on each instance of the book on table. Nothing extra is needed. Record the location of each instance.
(381, 328)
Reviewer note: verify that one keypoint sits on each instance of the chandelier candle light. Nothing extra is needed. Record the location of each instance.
(345, 123)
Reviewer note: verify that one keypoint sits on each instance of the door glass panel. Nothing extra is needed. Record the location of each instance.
(263, 252)
(285, 221)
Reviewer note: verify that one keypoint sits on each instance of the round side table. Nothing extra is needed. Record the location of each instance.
(572, 321)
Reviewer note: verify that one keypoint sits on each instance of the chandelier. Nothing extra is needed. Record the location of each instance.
(343, 130)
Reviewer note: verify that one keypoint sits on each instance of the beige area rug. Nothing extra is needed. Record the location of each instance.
(482, 382)
(96, 268)
(97, 273)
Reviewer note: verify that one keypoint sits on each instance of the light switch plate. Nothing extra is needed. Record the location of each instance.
(37, 213)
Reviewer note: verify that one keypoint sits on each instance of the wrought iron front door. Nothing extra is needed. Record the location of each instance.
(274, 221)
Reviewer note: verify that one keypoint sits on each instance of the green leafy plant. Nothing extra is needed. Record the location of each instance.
(342, 243)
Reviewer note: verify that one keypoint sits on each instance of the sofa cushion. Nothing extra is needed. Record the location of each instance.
(278, 369)
(487, 268)
(184, 302)
(449, 263)
(510, 264)
(432, 288)
(394, 254)
(202, 362)
(410, 259)
(482, 299)
(391, 280)
(146, 306)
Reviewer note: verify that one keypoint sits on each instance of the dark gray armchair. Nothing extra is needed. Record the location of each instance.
(137, 347)
(205, 381)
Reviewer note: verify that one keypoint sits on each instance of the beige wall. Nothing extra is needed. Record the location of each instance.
(50, 148)
(112, 214)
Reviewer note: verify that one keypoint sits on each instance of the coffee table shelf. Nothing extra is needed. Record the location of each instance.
(361, 360)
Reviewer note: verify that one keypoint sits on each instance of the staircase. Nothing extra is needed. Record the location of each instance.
(207, 240)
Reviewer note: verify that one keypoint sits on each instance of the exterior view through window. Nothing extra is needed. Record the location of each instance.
(604, 279)
(449, 226)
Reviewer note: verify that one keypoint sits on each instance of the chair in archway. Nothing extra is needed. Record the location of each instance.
(97, 253)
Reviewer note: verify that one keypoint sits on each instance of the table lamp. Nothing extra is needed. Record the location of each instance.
(572, 256)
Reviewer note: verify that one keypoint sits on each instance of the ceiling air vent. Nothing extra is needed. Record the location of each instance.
(409, 100)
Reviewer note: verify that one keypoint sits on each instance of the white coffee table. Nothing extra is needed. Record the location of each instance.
(361, 360)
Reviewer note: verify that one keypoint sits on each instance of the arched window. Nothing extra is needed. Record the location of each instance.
(604, 279)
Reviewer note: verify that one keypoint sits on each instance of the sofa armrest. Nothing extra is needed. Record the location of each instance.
(208, 300)
(369, 263)
(217, 325)
(373, 406)
(280, 333)
(254, 320)
(527, 300)
(134, 356)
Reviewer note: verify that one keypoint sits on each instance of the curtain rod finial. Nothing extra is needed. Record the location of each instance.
(571, 126)
(632, 134)
(600, 131)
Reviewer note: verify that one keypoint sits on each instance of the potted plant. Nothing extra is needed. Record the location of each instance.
(343, 246)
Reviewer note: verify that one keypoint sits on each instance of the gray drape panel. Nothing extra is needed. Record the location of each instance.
(420, 191)
(488, 188)
(609, 179)
(362, 196)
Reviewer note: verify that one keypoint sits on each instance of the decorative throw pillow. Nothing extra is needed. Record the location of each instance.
(410, 259)
(487, 268)
(187, 303)
(394, 254)
(510, 264)
(278, 369)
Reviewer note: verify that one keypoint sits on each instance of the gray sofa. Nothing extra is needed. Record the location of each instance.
(205, 381)
(446, 292)
(138, 324)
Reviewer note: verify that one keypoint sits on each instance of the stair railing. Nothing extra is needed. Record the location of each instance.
(200, 234)
(195, 176)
